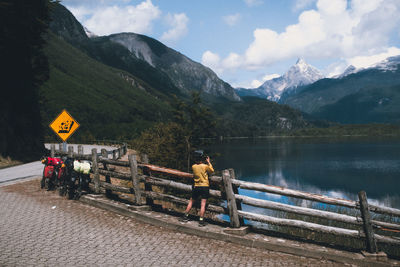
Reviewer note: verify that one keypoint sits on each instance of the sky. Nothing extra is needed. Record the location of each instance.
(246, 42)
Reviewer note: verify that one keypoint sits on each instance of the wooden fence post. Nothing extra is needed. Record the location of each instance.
(147, 186)
(231, 201)
(95, 167)
(367, 225)
(60, 147)
(119, 152)
(70, 151)
(135, 179)
(108, 178)
(80, 150)
(236, 191)
(125, 148)
(114, 154)
(52, 150)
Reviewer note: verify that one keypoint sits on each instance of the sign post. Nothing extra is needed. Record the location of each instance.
(64, 125)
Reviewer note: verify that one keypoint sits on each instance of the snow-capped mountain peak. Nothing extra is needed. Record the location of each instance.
(349, 70)
(301, 64)
(389, 64)
(299, 74)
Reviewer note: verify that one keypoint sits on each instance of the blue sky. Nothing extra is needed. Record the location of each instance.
(248, 41)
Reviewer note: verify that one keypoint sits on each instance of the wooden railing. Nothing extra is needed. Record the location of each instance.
(362, 224)
(116, 153)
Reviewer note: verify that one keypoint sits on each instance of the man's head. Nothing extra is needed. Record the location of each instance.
(199, 156)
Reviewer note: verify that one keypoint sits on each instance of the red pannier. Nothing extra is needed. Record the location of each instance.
(48, 171)
(51, 165)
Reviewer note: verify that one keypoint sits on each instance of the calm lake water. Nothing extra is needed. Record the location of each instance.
(339, 167)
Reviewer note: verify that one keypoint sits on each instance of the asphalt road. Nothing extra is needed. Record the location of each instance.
(34, 169)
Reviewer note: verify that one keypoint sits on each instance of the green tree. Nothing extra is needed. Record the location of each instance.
(163, 143)
(171, 144)
(197, 122)
(23, 24)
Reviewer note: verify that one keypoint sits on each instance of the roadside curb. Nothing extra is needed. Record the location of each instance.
(250, 240)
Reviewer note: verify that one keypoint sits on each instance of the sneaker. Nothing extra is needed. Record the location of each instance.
(184, 218)
(202, 223)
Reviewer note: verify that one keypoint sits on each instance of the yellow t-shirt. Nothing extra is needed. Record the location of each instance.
(200, 172)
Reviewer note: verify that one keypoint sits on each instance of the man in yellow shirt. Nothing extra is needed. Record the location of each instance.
(201, 188)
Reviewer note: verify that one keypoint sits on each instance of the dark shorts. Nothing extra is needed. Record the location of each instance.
(202, 192)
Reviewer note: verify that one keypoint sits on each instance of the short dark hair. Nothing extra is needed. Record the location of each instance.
(199, 156)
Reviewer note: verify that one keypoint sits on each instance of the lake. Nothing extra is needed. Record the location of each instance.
(337, 167)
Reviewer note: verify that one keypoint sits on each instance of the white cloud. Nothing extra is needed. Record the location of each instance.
(106, 20)
(258, 83)
(178, 23)
(269, 46)
(270, 77)
(368, 61)
(357, 31)
(232, 20)
(335, 68)
(212, 61)
(232, 61)
(255, 84)
(332, 8)
(252, 3)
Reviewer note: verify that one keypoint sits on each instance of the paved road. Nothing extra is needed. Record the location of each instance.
(40, 228)
(34, 169)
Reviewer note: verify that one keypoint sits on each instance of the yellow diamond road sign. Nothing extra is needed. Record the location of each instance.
(64, 125)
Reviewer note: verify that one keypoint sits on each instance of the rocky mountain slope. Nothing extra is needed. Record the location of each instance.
(186, 74)
(298, 75)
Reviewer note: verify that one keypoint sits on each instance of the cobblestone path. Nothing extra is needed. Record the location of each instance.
(39, 228)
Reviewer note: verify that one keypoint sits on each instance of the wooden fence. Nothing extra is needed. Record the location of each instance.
(366, 220)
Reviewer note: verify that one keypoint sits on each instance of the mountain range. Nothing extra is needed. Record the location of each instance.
(118, 85)
(370, 95)
(357, 96)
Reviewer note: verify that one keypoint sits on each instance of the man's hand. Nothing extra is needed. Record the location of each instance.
(208, 160)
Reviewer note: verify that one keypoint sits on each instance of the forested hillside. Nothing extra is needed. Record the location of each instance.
(107, 102)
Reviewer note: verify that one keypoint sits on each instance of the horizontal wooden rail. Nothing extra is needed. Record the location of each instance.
(176, 185)
(160, 196)
(385, 225)
(117, 188)
(299, 210)
(387, 239)
(384, 210)
(114, 174)
(294, 193)
(155, 168)
(114, 162)
(165, 197)
(300, 224)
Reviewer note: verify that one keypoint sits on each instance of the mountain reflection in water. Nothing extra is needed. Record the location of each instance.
(339, 167)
